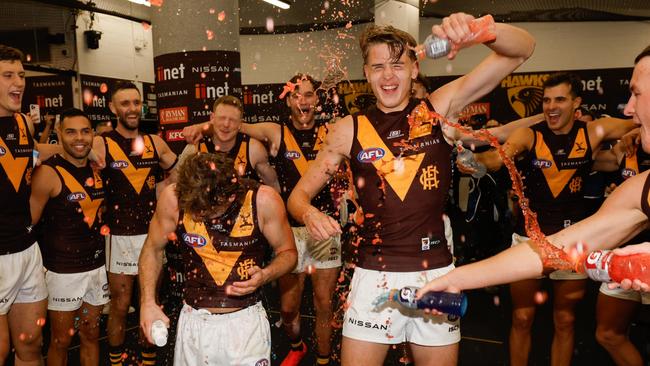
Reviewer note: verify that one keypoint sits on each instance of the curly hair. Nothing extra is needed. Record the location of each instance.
(208, 181)
(397, 41)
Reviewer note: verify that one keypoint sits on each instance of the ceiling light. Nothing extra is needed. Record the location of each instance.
(278, 3)
(141, 2)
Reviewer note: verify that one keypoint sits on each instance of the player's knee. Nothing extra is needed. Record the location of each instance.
(608, 337)
(522, 320)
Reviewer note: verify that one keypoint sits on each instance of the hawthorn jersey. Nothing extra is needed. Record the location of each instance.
(297, 149)
(240, 153)
(16, 164)
(218, 252)
(71, 240)
(130, 179)
(554, 173)
(402, 175)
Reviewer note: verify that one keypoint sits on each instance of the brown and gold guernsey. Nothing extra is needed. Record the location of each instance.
(130, 179)
(240, 153)
(16, 164)
(71, 221)
(635, 164)
(554, 174)
(297, 149)
(218, 252)
(402, 176)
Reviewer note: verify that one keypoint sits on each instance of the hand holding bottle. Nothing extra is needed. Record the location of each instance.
(635, 284)
(459, 30)
(629, 266)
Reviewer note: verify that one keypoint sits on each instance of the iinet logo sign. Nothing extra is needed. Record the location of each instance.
(45, 102)
(175, 135)
(171, 73)
(173, 115)
(256, 98)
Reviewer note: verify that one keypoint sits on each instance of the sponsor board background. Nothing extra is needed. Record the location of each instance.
(188, 83)
(52, 93)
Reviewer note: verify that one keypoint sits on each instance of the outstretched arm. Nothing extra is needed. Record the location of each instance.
(619, 219)
(511, 48)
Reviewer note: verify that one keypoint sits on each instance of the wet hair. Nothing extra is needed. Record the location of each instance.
(644, 53)
(207, 181)
(300, 77)
(229, 100)
(73, 112)
(572, 79)
(123, 85)
(10, 54)
(397, 41)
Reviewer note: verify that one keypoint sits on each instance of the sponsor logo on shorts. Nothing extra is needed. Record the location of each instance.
(2, 151)
(119, 164)
(292, 155)
(370, 325)
(67, 299)
(126, 264)
(371, 154)
(452, 318)
(454, 328)
(4, 301)
(105, 287)
(542, 164)
(194, 240)
(76, 196)
(263, 362)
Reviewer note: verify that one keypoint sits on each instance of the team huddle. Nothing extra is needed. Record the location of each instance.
(247, 204)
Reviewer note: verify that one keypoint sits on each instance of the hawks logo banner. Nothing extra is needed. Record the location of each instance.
(355, 95)
(525, 92)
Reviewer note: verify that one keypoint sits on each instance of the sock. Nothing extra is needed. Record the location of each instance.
(148, 355)
(115, 354)
(296, 344)
(323, 360)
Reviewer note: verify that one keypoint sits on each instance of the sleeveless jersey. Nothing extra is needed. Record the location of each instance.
(71, 240)
(240, 153)
(130, 179)
(635, 164)
(16, 164)
(554, 173)
(218, 252)
(402, 176)
(297, 149)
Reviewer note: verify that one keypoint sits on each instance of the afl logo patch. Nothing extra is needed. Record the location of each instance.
(542, 164)
(194, 240)
(371, 154)
(119, 164)
(292, 155)
(2, 151)
(76, 196)
(263, 362)
(626, 173)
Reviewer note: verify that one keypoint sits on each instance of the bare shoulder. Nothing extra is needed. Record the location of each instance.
(168, 201)
(267, 197)
(340, 135)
